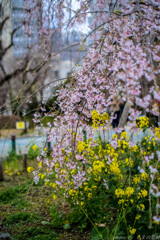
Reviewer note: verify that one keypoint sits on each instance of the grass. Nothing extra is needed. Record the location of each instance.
(26, 214)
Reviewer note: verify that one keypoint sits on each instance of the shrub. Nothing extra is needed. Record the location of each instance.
(12, 193)
(12, 163)
(33, 152)
(114, 184)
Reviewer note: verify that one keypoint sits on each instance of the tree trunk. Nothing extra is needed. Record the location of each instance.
(124, 116)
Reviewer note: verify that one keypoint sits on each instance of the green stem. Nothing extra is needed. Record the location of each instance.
(93, 224)
(119, 220)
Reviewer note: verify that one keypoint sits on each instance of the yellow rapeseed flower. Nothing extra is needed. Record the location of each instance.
(89, 195)
(99, 119)
(54, 185)
(40, 164)
(132, 231)
(81, 146)
(41, 175)
(144, 176)
(136, 179)
(121, 201)
(129, 162)
(143, 193)
(114, 136)
(129, 191)
(72, 171)
(124, 135)
(141, 207)
(114, 167)
(97, 166)
(46, 183)
(30, 169)
(54, 197)
(138, 217)
(119, 192)
(157, 132)
(142, 122)
(35, 147)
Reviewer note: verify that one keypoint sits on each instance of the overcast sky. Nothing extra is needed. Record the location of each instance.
(83, 27)
(75, 5)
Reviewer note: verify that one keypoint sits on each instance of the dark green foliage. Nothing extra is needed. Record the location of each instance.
(37, 233)
(12, 193)
(32, 106)
(57, 220)
(46, 120)
(32, 154)
(13, 156)
(21, 217)
(52, 104)
(77, 217)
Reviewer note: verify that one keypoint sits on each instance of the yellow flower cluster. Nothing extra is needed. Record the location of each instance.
(114, 167)
(123, 144)
(41, 175)
(129, 191)
(99, 119)
(157, 132)
(89, 195)
(143, 193)
(120, 192)
(134, 149)
(35, 147)
(132, 231)
(81, 146)
(73, 171)
(142, 122)
(124, 135)
(40, 164)
(114, 136)
(121, 201)
(144, 176)
(155, 222)
(141, 207)
(138, 217)
(54, 197)
(97, 166)
(136, 179)
(73, 192)
(57, 165)
(30, 169)
(129, 162)
(111, 151)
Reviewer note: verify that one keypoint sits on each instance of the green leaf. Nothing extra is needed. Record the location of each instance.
(95, 235)
(66, 226)
(45, 223)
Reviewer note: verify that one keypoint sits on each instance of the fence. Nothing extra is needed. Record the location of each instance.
(24, 143)
(19, 145)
